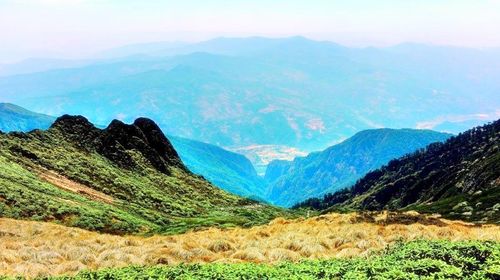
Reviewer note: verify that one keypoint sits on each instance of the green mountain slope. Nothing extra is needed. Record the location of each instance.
(230, 171)
(15, 118)
(341, 165)
(122, 179)
(459, 179)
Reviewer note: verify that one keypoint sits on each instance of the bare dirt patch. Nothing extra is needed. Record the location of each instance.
(64, 183)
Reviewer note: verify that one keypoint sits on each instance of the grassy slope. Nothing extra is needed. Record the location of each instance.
(227, 170)
(145, 200)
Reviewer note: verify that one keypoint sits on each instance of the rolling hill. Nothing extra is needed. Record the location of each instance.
(459, 178)
(341, 165)
(121, 179)
(15, 118)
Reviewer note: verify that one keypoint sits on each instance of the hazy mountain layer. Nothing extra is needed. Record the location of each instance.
(15, 118)
(291, 92)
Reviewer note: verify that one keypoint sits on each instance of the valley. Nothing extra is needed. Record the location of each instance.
(81, 202)
(304, 177)
(339, 166)
(230, 171)
(241, 92)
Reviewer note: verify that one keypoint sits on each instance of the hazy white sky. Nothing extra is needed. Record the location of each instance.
(81, 27)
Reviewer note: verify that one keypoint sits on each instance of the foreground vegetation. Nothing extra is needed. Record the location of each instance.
(414, 260)
(45, 249)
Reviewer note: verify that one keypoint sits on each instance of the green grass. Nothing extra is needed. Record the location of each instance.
(146, 201)
(413, 260)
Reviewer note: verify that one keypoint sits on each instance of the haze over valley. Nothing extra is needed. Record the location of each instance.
(262, 96)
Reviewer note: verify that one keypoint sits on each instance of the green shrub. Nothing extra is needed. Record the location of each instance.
(412, 260)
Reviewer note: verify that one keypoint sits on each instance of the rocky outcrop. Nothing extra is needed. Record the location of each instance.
(115, 141)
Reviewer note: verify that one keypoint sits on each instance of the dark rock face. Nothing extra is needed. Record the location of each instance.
(157, 140)
(78, 129)
(144, 136)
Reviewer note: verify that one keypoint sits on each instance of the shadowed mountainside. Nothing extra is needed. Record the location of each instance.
(230, 171)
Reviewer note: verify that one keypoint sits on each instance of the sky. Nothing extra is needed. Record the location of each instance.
(79, 28)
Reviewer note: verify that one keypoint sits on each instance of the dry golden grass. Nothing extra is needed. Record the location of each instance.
(37, 249)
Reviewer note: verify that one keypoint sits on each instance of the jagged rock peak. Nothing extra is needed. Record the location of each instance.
(156, 137)
(77, 129)
(71, 122)
(144, 136)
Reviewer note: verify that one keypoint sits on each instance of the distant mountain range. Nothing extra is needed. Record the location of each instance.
(15, 118)
(292, 92)
(459, 179)
(341, 165)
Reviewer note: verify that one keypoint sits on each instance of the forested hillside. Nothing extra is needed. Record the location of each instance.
(341, 165)
(459, 179)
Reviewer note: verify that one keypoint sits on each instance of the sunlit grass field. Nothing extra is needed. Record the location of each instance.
(36, 249)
